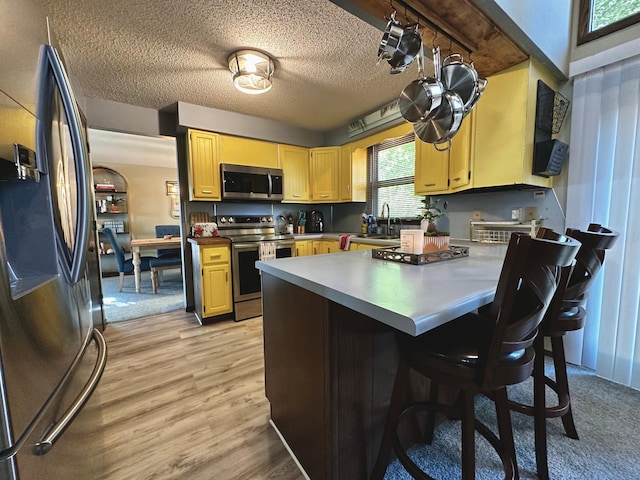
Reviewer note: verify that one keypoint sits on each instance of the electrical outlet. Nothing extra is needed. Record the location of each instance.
(516, 214)
(538, 194)
(530, 213)
(477, 215)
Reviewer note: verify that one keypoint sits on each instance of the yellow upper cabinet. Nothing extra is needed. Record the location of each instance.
(294, 162)
(505, 127)
(249, 152)
(353, 174)
(204, 165)
(325, 174)
(431, 170)
(445, 171)
(460, 155)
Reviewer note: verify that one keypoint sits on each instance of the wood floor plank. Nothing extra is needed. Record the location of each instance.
(180, 400)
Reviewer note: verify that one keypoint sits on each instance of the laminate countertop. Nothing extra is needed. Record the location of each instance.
(409, 298)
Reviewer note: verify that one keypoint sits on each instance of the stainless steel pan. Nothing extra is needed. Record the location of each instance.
(443, 122)
(422, 95)
(407, 50)
(460, 77)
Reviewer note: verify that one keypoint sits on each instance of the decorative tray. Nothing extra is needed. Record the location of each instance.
(394, 254)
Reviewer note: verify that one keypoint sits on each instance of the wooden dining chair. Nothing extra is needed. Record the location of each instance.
(479, 353)
(565, 314)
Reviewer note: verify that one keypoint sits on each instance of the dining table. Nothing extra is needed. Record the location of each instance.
(138, 244)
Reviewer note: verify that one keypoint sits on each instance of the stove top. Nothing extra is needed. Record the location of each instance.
(249, 228)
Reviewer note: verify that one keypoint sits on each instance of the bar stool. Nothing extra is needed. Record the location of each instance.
(565, 314)
(480, 353)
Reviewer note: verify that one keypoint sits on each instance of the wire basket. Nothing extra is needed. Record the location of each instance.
(499, 232)
(551, 110)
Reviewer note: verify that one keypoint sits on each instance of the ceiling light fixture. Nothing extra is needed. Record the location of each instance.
(252, 71)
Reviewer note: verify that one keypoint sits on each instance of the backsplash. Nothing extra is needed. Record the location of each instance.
(459, 210)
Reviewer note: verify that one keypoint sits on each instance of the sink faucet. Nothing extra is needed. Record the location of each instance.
(388, 217)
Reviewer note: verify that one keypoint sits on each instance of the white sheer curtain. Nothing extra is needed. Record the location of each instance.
(604, 187)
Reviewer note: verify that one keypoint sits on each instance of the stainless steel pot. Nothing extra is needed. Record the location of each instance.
(407, 50)
(460, 77)
(422, 95)
(482, 85)
(390, 39)
(443, 122)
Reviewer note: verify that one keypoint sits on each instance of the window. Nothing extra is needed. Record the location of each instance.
(598, 18)
(391, 170)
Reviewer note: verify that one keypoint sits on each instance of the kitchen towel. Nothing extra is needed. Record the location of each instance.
(267, 250)
(345, 241)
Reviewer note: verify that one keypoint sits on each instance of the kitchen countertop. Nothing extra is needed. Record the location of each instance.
(209, 241)
(355, 238)
(410, 298)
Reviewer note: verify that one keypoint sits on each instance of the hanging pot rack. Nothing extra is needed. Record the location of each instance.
(422, 20)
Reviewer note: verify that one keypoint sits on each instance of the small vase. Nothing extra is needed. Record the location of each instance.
(424, 224)
(435, 244)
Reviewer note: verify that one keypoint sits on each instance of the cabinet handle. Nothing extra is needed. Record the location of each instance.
(324, 196)
(207, 191)
(296, 196)
(348, 188)
(429, 184)
(457, 179)
(226, 277)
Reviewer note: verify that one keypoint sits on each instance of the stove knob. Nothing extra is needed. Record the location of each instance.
(263, 219)
(231, 219)
(223, 220)
(270, 219)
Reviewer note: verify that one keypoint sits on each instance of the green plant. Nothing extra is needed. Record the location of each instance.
(431, 213)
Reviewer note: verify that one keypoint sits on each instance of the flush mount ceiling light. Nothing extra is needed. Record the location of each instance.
(252, 71)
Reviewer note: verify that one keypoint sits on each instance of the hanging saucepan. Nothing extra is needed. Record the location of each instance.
(407, 50)
(460, 77)
(390, 39)
(443, 122)
(482, 85)
(422, 95)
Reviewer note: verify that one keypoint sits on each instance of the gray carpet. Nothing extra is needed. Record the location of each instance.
(128, 304)
(607, 417)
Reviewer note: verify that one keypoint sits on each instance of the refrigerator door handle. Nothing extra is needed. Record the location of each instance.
(81, 158)
(48, 441)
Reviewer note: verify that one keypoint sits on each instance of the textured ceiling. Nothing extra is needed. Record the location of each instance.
(153, 53)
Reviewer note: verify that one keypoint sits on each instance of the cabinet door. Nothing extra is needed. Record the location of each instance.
(295, 166)
(216, 290)
(460, 155)
(325, 173)
(247, 151)
(353, 174)
(204, 167)
(432, 169)
(303, 248)
(320, 247)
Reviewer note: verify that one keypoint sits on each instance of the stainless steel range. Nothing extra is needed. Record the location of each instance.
(249, 235)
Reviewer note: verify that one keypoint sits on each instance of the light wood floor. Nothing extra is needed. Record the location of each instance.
(184, 401)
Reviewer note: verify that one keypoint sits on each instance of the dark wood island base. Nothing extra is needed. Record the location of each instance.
(329, 373)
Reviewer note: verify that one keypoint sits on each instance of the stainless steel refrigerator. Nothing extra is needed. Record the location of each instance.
(52, 353)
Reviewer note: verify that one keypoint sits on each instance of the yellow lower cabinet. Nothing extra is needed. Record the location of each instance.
(215, 269)
(303, 248)
(320, 247)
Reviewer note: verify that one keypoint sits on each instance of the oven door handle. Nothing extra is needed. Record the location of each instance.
(249, 246)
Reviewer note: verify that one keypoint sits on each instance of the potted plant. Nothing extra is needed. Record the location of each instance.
(434, 239)
(115, 202)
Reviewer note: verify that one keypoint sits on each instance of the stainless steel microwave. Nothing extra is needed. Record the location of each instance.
(240, 182)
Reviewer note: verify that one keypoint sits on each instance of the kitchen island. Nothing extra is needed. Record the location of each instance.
(329, 338)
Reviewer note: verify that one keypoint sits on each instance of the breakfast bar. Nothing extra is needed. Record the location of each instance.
(329, 344)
